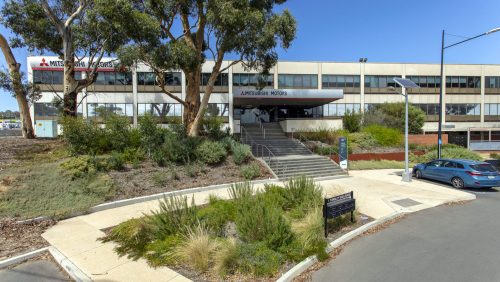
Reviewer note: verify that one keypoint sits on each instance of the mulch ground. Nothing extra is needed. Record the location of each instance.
(18, 238)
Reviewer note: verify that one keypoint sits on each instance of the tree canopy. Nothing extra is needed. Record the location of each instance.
(180, 34)
(393, 115)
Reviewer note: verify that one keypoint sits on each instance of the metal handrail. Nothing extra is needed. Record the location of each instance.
(262, 128)
(271, 157)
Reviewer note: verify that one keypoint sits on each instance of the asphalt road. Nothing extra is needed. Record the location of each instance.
(447, 243)
(33, 271)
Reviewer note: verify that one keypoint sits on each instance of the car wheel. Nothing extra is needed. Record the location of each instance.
(457, 182)
(418, 174)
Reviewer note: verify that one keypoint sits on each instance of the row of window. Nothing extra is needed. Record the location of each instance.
(463, 82)
(51, 77)
(491, 109)
(492, 82)
(335, 110)
(222, 79)
(100, 110)
(149, 78)
(429, 109)
(251, 79)
(451, 109)
(426, 81)
(340, 81)
(304, 81)
(380, 81)
(113, 78)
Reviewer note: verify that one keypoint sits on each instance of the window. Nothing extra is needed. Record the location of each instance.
(426, 81)
(146, 78)
(222, 79)
(463, 109)
(160, 109)
(340, 81)
(491, 109)
(429, 109)
(250, 79)
(45, 110)
(492, 82)
(463, 82)
(380, 81)
(114, 78)
(307, 81)
(339, 109)
(95, 110)
(220, 109)
(51, 77)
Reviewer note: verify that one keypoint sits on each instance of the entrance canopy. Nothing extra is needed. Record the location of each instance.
(285, 97)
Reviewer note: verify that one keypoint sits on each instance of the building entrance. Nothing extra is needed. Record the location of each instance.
(253, 114)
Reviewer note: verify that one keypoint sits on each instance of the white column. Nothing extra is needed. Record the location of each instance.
(230, 99)
(135, 94)
(483, 90)
(362, 86)
(320, 76)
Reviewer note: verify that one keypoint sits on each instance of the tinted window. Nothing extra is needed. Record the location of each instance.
(434, 163)
(449, 164)
(484, 167)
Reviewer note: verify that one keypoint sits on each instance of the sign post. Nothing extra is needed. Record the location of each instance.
(337, 206)
(343, 153)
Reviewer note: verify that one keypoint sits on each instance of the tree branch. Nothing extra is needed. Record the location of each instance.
(69, 21)
(53, 17)
(161, 83)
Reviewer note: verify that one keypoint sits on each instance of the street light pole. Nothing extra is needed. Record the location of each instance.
(443, 83)
(407, 174)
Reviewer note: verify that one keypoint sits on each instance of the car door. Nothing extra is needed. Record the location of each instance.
(431, 169)
(446, 171)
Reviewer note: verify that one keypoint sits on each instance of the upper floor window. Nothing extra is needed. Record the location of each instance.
(429, 109)
(298, 81)
(149, 78)
(340, 81)
(51, 77)
(492, 82)
(426, 81)
(222, 79)
(113, 78)
(253, 79)
(380, 81)
(463, 82)
(463, 109)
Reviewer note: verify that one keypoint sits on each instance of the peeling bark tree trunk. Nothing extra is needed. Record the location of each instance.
(70, 84)
(193, 102)
(22, 101)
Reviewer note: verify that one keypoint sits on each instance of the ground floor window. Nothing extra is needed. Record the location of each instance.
(160, 109)
(99, 111)
(218, 109)
(335, 110)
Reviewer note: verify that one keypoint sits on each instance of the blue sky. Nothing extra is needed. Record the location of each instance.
(382, 31)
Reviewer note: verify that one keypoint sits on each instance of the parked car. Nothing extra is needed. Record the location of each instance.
(459, 173)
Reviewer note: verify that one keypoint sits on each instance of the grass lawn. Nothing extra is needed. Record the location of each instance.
(382, 164)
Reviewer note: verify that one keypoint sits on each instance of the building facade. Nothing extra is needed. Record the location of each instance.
(299, 95)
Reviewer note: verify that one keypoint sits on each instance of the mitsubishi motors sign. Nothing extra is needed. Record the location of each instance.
(54, 63)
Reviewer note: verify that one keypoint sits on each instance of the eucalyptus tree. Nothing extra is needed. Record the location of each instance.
(68, 28)
(180, 34)
(12, 82)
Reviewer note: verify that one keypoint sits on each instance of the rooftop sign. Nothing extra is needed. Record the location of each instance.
(55, 63)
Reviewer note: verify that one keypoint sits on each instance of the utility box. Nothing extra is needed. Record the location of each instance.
(46, 128)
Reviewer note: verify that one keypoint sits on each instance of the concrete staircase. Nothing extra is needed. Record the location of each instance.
(287, 157)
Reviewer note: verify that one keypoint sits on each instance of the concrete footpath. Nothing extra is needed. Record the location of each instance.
(378, 193)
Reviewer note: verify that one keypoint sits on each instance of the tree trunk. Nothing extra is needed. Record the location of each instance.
(22, 101)
(192, 102)
(70, 93)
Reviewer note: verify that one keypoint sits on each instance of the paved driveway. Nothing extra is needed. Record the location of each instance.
(33, 271)
(447, 243)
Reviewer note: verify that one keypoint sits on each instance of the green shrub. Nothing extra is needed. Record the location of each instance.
(325, 150)
(217, 214)
(376, 164)
(133, 155)
(116, 161)
(448, 152)
(80, 166)
(212, 126)
(250, 171)
(361, 140)
(162, 252)
(302, 194)
(151, 134)
(131, 236)
(173, 216)
(241, 191)
(393, 115)
(226, 258)
(323, 135)
(241, 153)
(495, 156)
(83, 137)
(160, 178)
(384, 136)
(228, 143)
(211, 152)
(258, 220)
(118, 132)
(258, 260)
(351, 121)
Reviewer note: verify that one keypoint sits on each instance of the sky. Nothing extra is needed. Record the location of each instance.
(382, 31)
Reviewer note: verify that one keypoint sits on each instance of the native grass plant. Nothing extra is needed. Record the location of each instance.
(250, 171)
(252, 234)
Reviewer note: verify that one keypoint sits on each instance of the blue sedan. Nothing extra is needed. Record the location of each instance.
(459, 173)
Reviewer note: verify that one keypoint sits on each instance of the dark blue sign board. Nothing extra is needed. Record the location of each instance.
(343, 152)
(337, 206)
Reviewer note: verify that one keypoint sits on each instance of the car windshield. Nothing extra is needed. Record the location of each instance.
(484, 167)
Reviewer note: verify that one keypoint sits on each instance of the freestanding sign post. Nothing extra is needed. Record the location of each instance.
(337, 206)
(343, 152)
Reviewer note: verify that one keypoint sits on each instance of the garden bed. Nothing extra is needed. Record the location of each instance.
(250, 237)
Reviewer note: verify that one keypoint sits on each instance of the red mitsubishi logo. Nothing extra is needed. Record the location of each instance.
(44, 63)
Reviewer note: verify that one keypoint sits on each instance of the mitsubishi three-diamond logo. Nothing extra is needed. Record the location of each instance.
(44, 63)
